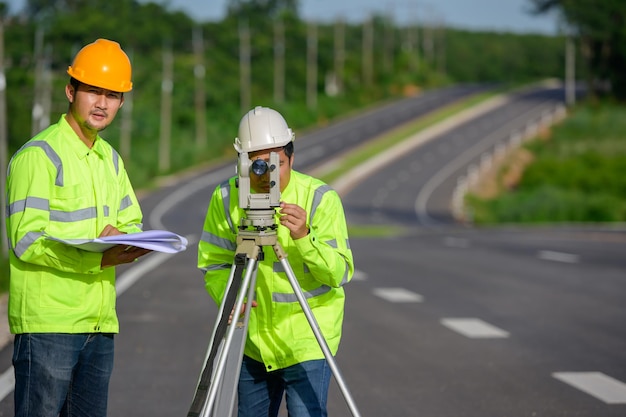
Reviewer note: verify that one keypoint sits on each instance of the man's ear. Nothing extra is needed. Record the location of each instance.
(69, 92)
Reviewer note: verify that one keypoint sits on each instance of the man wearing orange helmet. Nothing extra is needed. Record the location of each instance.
(67, 182)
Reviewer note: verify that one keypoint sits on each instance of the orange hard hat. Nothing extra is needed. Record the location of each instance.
(103, 64)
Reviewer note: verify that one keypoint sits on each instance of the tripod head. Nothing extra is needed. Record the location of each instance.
(259, 208)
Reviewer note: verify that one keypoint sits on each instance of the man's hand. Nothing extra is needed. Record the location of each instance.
(293, 217)
(110, 231)
(119, 254)
(243, 310)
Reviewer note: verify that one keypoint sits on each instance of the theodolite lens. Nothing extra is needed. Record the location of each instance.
(259, 167)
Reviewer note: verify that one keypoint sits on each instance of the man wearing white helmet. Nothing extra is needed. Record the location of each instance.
(281, 353)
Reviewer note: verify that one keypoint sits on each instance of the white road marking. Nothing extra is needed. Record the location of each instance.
(474, 328)
(359, 275)
(398, 295)
(549, 255)
(597, 384)
(7, 382)
(347, 181)
(456, 242)
(133, 274)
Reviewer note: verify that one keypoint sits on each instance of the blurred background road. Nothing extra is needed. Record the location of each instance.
(442, 319)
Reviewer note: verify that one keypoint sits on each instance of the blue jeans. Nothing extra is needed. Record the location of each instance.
(64, 375)
(305, 384)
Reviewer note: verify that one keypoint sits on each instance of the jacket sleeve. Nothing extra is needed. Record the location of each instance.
(29, 183)
(216, 249)
(326, 249)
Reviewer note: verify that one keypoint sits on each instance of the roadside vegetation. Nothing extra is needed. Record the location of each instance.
(403, 60)
(572, 174)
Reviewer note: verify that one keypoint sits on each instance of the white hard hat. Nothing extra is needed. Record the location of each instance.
(262, 128)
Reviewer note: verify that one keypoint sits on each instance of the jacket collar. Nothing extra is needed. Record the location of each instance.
(76, 144)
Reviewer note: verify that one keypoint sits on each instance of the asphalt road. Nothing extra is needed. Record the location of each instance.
(441, 320)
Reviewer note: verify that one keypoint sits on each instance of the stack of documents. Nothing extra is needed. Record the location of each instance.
(156, 240)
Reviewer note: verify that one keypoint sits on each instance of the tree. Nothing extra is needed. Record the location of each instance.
(267, 8)
(600, 29)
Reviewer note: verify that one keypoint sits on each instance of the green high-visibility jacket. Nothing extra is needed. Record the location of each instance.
(58, 187)
(278, 332)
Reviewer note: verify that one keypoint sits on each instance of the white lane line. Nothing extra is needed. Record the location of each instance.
(132, 275)
(123, 282)
(456, 242)
(7, 382)
(178, 197)
(346, 182)
(459, 162)
(398, 295)
(474, 328)
(597, 384)
(549, 255)
(359, 275)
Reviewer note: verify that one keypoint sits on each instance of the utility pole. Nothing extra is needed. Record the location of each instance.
(199, 72)
(412, 45)
(279, 61)
(41, 105)
(388, 55)
(441, 29)
(167, 86)
(368, 52)
(4, 151)
(340, 53)
(244, 66)
(126, 124)
(311, 79)
(428, 38)
(570, 69)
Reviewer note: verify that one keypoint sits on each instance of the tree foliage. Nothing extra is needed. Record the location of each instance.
(398, 65)
(601, 29)
(252, 9)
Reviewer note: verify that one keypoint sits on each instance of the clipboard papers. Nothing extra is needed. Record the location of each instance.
(156, 240)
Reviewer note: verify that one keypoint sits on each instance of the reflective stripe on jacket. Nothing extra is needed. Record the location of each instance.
(278, 333)
(57, 186)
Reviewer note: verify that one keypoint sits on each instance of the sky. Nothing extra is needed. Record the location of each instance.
(498, 15)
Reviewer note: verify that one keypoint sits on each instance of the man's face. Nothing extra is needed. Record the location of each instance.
(261, 183)
(93, 108)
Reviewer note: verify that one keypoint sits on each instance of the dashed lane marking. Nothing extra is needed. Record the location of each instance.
(597, 384)
(398, 295)
(474, 328)
(7, 382)
(549, 255)
(456, 242)
(359, 275)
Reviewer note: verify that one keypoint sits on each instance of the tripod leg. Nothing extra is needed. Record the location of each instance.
(232, 288)
(216, 346)
(316, 330)
(225, 403)
(220, 364)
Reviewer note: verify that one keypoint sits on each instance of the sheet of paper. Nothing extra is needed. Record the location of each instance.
(157, 240)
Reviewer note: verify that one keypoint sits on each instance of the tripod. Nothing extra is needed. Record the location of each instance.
(215, 392)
